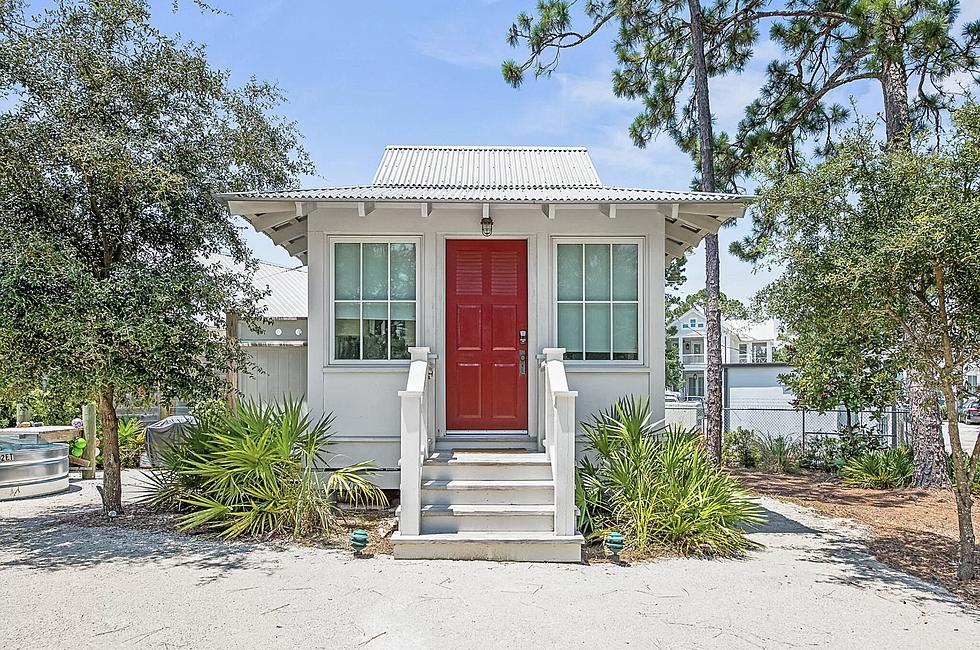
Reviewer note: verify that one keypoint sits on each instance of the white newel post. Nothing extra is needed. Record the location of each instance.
(560, 438)
(414, 442)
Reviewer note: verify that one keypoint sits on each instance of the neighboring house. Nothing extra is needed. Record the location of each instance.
(742, 342)
(973, 379)
(279, 349)
(466, 310)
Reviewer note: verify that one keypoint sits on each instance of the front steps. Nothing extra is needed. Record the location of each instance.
(479, 505)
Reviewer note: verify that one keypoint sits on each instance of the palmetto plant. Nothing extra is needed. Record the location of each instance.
(132, 439)
(778, 454)
(658, 487)
(257, 473)
(883, 469)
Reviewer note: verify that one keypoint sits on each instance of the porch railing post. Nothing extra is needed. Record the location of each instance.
(560, 438)
(414, 442)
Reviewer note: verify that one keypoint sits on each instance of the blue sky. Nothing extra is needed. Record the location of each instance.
(366, 74)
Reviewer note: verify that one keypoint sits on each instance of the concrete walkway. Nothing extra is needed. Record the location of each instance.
(65, 585)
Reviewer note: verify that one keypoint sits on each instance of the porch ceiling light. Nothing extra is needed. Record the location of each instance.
(486, 225)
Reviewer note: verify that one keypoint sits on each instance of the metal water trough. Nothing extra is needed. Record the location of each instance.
(29, 469)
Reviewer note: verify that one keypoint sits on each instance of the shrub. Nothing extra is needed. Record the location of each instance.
(658, 488)
(823, 452)
(883, 469)
(51, 406)
(132, 440)
(778, 454)
(975, 488)
(854, 442)
(253, 473)
(739, 448)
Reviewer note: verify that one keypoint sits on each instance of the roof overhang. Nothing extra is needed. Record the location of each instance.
(686, 221)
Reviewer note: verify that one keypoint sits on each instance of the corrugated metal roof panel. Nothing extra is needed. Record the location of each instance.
(490, 194)
(287, 287)
(486, 167)
(288, 290)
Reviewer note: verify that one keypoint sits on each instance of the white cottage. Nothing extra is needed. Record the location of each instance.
(466, 310)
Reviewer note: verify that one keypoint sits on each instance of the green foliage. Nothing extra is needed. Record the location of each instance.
(658, 488)
(832, 452)
(857, 40)
(51, 406)
(879, 250)
(209, 411)
(777, 454)
(857, 440)
(673, 368)
(883, 469)
(822, 452)
(132, 442)
(953, 477)
(729, 307)
(115, 139)
(880, 256)
(255, 473)
(739, 448)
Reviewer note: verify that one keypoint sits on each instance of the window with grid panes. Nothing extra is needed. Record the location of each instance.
(598, 306)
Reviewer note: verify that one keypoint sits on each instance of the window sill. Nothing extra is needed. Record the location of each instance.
(584, 366)
(375, 368)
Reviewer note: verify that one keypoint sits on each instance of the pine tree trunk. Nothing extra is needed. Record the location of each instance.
(894, 83)
(925, 423)
(111, 475)
(712, 411)
(926, 438)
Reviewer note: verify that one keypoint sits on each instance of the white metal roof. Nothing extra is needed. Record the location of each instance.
(486, 167)
(542, 176)
(287, 286)
(747, 330)
(493, 194)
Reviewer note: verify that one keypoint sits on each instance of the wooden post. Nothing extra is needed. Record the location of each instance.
(231, 379)
(88, 425)
(23, 413)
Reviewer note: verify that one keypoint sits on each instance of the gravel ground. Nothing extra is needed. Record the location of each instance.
(67, 585)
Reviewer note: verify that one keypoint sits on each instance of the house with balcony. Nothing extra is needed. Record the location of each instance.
(742, 342)
(467, 310)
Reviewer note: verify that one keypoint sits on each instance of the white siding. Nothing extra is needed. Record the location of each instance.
(364, 400)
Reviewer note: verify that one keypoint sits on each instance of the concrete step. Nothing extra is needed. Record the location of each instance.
(455, 518)
(527, 492)
(520, 546)
(486, 466)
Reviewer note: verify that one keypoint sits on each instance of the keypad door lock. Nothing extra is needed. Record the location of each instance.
(522, 336)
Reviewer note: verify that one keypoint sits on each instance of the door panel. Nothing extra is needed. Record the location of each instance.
(486, 308)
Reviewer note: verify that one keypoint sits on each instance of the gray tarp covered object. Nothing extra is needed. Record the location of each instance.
(161, 435)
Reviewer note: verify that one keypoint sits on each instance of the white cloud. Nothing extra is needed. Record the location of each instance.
(465, 45)
(660, 164)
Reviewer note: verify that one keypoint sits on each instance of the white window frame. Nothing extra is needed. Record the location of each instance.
(332, 303)
(641, 291)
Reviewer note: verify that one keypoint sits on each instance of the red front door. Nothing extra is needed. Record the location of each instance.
(486, 335)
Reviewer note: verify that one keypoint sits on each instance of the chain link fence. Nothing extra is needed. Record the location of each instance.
(809, 428)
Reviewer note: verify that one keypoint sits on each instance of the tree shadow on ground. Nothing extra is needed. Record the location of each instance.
(776, 523)
(858, 565)
(76, 539)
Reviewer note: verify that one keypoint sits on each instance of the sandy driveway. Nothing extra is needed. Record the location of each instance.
(63, 585)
